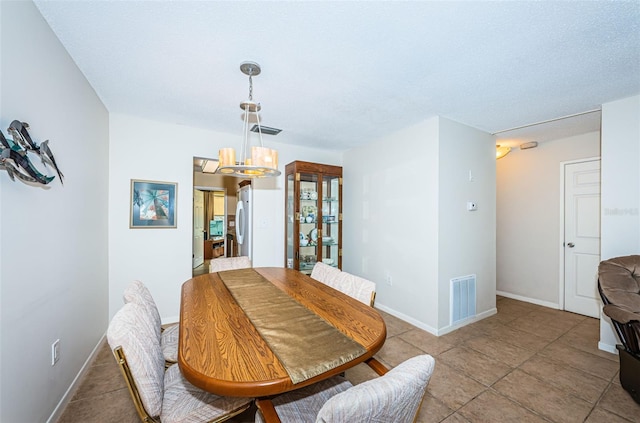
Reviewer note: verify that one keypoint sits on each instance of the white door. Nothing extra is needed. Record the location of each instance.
(198, 228)
(582, 237)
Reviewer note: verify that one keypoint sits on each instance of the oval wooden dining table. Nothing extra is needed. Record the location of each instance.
(221, 351)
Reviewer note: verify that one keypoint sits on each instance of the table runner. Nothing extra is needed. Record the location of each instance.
(305, 344)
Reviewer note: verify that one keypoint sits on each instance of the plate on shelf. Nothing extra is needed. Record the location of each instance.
(314, 234)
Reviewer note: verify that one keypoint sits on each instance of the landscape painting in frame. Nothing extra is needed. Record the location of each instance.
(153, 204)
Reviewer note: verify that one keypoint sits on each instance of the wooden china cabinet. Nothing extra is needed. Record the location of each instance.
(313, 213)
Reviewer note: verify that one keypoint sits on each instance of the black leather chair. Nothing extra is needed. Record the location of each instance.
(619, 287)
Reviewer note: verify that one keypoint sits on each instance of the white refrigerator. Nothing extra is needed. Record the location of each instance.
(244, 221)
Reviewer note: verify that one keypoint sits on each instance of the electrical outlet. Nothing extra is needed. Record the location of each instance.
(389, 280)
(55, 352)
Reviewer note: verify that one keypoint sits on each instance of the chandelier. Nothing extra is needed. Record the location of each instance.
(258, 161)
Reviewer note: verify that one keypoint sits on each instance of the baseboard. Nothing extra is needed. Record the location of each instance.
(407, 319)
(467, 321)
(529, 300)
(66, 398)
(430, 329)
(608, 348)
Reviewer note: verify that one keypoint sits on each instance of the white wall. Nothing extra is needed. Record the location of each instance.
(404, 210)
(620, 204)
(161, 258)
(467, 239)
(390, 215)
(53, 243)
(528, 215)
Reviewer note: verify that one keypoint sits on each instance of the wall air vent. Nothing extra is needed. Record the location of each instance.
(463, 298)
(266, 130)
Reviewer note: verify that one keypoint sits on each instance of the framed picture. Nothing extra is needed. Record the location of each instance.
(153, 204)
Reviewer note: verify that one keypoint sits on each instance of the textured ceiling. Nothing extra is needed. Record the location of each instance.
(341, 74)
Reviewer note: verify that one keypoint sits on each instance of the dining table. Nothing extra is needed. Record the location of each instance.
(263, 331)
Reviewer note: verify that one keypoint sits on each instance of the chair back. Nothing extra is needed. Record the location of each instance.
(139, 294)
(356, 287)
(619, 287)
(137, 350)
(229, 263)
(394, 397)
(326, 274)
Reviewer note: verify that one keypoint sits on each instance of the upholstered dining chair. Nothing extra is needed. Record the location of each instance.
(354, 286)
(138, 293)
(394, 397)
(161, 396)
(326, 274)
(229, 263)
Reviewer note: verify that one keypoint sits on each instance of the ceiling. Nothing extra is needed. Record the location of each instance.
(338, 75)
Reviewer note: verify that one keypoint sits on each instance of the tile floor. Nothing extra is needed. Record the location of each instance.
(525, 364)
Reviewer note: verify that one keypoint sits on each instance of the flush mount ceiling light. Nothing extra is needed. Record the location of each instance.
(501, 151)
(261, 162)
(528, 145)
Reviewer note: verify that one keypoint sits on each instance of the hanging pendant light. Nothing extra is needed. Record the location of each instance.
(254, 161)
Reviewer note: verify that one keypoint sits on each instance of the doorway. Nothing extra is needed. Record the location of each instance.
(215, 220)
(580, 251)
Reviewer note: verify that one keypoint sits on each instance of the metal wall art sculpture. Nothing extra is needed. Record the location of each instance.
(14, 155)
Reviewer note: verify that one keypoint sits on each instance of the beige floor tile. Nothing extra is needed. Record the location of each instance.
(395, 351)
(558, 317)
(427, 342)
(104, 354)
(489, 324)
(360, 373)
(456, 418)
(480, 367)
(539, 327)
(618, 401)
(100, 379)
(583, 385)
(114, 406)
(463, 334)
(453, 388)
(508, 354)
(585, 337)
(510, 306)
(598, 415)
(432, 410)
(518, 338)
(590, 363)
(394, 325)
(543, 398)
(492, 407)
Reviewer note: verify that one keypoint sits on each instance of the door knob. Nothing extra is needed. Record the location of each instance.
(571, 245)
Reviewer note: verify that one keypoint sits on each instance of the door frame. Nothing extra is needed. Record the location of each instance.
(561, 248)
(226, 219)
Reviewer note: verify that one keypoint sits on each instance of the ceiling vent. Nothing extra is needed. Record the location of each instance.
(527, 145)
(266, 130)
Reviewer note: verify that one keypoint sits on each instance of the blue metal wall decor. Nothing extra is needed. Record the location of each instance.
(14, 155)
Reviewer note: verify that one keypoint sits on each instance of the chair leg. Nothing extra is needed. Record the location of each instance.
(268, 410)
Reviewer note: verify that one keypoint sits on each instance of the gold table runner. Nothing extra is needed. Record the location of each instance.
(305, 344)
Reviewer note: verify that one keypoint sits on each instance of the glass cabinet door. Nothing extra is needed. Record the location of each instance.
(313, 215)
(291, 212)
(331, 221)
(308, 216)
